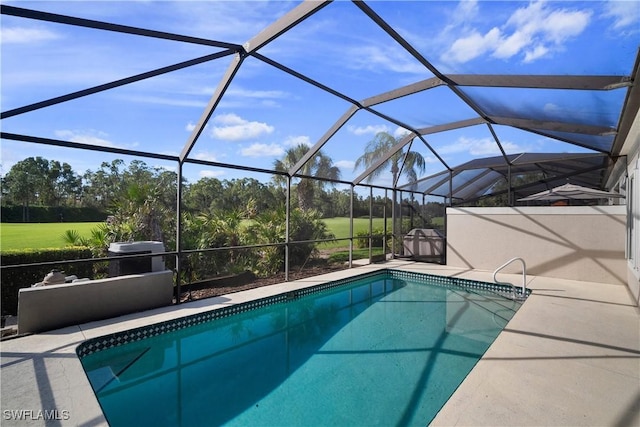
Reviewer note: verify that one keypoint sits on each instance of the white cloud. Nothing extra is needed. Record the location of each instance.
(262, 150)
(379, 58)
(191, 126)
(231, 127)
(625, 14)
(211, 174)
(465, 12)
(269, 103)
(241, 97)
(345, 164)
(506, 47)
(531, 32)
(560, 25)
(261, 94)
(294, 141)
(400, 132)
(486, 146)
(535, 53)
(430, 159)
(91, 137)
(475, 44)
(23, 35)
(479, 147)
(235, 21)
(206, 90)
(229, 119)
(206, 156)
(552, 108)
(367, 130)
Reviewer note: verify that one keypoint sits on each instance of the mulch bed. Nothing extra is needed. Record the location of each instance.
(216, 290)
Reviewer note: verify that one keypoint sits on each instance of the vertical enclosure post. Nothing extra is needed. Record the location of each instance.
(444, 244)
(399, 218)
(287, 228)
(393, 222)
(384, 227)
(370, 223)
(351, 227)
(445, 211)
(178, 231)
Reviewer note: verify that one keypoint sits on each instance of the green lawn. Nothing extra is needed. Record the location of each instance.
(340, 228)
(49, 235)
(40, 235)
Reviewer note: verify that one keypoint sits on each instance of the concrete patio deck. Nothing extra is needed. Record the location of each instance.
(569, 356)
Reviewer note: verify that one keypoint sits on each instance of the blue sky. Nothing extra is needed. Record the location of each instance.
(266, 111)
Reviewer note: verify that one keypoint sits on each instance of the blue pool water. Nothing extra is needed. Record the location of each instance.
(379, 350)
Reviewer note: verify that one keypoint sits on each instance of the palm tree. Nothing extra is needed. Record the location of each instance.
(319, 165)
(378, 147)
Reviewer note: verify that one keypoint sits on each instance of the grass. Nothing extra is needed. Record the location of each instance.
(438, 221)
(340, 228)
(49, 235)
(40, 235)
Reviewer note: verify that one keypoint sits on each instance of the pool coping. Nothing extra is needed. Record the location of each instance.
(588, 367)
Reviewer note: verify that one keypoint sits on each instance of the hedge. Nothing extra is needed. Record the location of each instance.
(12, 279)
(52, 214)
(362, 238)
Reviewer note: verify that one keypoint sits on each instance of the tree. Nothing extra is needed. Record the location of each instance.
(114, 181)
(29, 182)
(22, 183)
(238, 192)
(319, 165)
(202, 195)
(498, 194)
(104, 185)
(67, 184)
(379, 147)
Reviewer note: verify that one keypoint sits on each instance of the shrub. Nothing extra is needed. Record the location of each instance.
(225, 231)
(343, 256)
(361, 239)
(305, 225)
(12, 279)
(269, 227)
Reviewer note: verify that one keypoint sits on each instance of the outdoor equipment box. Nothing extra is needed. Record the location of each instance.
(135, 265)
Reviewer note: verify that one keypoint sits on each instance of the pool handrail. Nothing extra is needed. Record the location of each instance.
(524, 277)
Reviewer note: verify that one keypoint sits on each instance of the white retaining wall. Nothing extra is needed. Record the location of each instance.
(55, 306)
(571, 242)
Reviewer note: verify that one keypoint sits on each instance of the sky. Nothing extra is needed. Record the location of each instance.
(265, 111)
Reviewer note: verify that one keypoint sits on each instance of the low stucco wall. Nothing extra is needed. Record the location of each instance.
(55, 306)
(570, 242)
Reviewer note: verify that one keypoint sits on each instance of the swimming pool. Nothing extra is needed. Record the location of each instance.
(387, 348)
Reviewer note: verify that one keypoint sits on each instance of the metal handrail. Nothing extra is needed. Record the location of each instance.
(524, 277)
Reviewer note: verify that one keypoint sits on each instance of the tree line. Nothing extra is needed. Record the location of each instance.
(36, 181)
